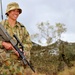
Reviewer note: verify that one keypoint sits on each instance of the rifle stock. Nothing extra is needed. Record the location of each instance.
(4, 36)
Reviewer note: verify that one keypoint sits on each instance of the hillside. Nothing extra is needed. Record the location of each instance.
(53, 58)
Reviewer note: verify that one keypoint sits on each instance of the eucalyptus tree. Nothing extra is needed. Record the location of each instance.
(49, 32)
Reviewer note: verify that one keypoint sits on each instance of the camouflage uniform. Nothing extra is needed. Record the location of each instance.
(10, 64)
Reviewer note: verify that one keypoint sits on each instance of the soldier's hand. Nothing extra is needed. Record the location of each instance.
(7, 45)
(17, 52)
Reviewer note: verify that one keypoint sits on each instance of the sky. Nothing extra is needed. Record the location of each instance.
(54, 11)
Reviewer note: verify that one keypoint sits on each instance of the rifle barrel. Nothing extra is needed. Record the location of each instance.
(1, 10)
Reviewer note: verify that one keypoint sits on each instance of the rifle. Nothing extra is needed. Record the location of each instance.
(1, 9)
(4, 36)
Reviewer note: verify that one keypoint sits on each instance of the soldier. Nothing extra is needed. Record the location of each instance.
(10, 63)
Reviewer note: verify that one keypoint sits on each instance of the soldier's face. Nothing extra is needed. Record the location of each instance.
(13, 14)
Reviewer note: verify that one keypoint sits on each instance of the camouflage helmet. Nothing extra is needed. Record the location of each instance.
(12, 6)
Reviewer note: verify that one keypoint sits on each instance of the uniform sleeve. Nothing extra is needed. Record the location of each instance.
(26, 40)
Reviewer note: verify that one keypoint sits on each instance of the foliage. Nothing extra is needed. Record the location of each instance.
(60, 28)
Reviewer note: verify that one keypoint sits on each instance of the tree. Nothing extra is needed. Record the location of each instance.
(60, 28)
(49, 32)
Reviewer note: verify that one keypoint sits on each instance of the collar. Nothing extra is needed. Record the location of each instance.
(7, 23)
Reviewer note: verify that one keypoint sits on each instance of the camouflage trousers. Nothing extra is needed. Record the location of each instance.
(10, 64)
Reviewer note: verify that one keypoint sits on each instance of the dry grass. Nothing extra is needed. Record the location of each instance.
(68, 71)
(32, 73)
